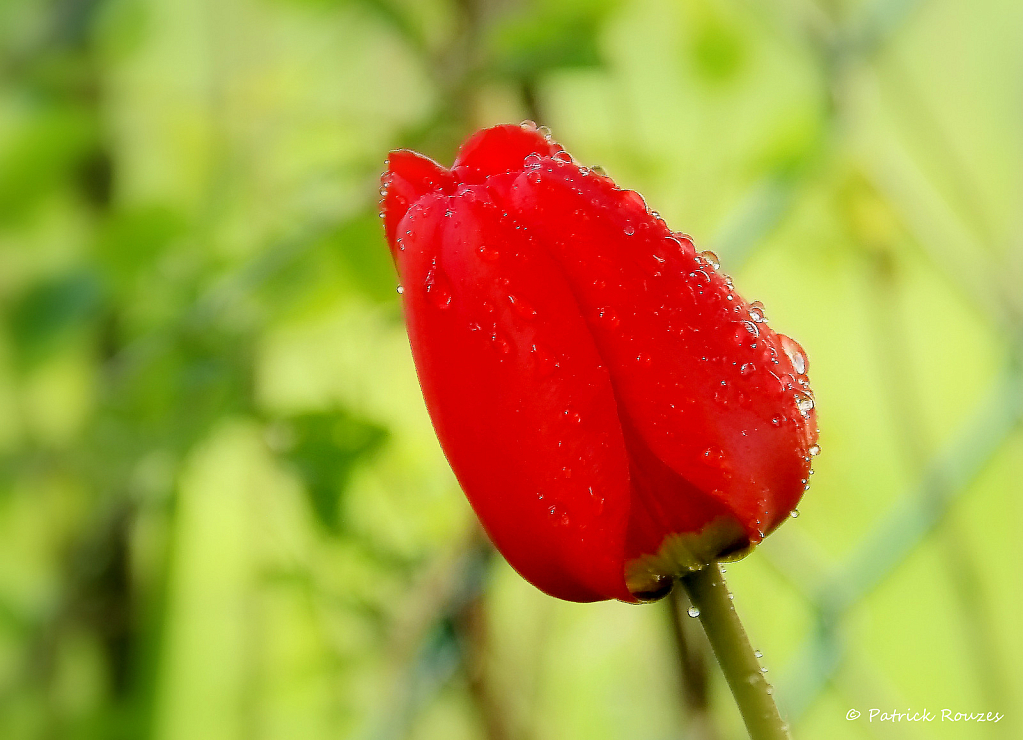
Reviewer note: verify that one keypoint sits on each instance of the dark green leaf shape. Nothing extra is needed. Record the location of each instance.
(325, 447)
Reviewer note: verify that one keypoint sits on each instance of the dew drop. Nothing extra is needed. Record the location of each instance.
(633, 198)
(658, 589)
(757, 654)
(700, 277)
(563, 157)
(757, 313)
(607, 314)
(522, 309)
(437, 286)
(751, 328)
(534, 177)
(598, 170)
(532, 161)
(795, 354)
(528, 125)
(815, 450)
(401, 289)
(713, 456)
(573, 416)
(488, 253)
(794, 513)
(545, 132)
(777, 420)
(545, 364)
(502, 345)
(629, 230)
(747, 369)
(693, 612)
(711, 259)
(804, 403)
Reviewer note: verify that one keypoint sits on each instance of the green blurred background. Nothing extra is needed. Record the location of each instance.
(223, 512)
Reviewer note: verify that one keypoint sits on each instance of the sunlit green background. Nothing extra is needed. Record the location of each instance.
(223, 512)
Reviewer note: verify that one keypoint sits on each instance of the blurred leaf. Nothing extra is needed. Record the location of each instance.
(132, 240)
(549, 36)
(51, 311)
(359, 244)
(173, 399)
(718, 50)
(325, 447)
(39, 158)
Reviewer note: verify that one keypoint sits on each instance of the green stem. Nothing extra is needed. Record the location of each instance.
(709, 594)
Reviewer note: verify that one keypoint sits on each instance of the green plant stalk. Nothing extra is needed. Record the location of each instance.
(709, 594)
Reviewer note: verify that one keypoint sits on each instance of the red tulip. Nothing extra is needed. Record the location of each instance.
(615, 412)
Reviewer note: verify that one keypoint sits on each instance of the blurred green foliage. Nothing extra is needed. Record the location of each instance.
(223, 512)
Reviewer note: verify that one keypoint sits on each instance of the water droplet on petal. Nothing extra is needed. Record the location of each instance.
(488, 253)
(401, 289)
(545, 132)
(815, 450)
(437, 286)
(711, 259)
(545, 364)
(757, 654)
(522, 309)
(633, 198)
(747, 369)
(563, 157)
(794, 513)
(608, 314)
(795, 354)
(598, 170)
(804, 403)
(751, 328)
(693, 612)
(700, 277)
(713, 456)
(629, 230)
(502, 345)
(757, 313)
(652, 591)
(528, 125)
(532, 161)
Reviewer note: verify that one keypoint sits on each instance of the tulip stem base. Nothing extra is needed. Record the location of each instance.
(742, 669)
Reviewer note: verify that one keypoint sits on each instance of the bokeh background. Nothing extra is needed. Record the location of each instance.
(223, 512)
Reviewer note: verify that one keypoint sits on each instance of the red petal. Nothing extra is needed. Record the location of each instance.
(409, 176)
(500, 149)
(518, 394)
(715, 403)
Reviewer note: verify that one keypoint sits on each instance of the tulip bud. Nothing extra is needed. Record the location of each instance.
(614, 411)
